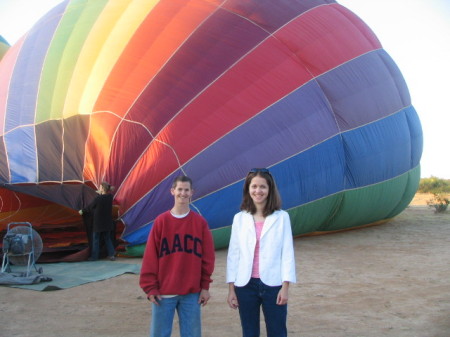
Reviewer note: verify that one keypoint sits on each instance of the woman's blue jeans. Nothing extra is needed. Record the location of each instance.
(251, 297)
(106, 237)
(189, 316)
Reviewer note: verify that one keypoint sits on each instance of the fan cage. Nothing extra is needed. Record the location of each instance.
(22, 246)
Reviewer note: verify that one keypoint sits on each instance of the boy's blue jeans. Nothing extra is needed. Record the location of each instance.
(250, 298)
(189, 316)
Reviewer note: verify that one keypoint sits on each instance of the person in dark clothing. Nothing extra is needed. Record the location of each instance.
(101, 208)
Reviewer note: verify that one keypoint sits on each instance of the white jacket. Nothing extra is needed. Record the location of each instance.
(276, 254)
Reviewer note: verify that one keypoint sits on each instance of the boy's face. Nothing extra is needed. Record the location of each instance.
(182, 192)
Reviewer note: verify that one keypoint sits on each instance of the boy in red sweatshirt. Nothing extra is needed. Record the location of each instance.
(177, 265)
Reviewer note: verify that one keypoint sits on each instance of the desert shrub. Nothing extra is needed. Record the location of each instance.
(439, 202)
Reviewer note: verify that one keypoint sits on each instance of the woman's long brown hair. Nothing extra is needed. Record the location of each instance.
(273, 199)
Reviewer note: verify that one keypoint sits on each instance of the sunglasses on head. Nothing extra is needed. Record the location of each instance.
(257, 170)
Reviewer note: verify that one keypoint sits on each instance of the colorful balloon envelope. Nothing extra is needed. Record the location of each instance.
(137, 92)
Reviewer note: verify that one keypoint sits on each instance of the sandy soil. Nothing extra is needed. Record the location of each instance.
(388, 280)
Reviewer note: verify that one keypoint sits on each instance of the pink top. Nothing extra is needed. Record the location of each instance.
(255, 269)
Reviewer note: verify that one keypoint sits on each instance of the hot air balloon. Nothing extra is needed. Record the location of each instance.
(137, 92)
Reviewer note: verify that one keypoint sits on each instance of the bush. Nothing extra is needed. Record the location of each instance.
(439, 202)
(434, 185)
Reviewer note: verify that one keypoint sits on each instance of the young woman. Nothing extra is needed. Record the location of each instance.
(101, 209)
(260, 262)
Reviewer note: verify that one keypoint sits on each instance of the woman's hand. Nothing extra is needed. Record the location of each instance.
(283, 295)
(232, 298)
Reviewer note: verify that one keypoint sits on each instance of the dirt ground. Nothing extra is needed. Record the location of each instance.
(387, 280)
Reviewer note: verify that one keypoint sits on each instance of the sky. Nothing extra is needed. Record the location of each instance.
(415, 33)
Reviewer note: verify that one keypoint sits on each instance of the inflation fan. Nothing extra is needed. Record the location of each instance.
(22, 246)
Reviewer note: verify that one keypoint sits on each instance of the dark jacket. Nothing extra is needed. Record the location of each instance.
(101, 210)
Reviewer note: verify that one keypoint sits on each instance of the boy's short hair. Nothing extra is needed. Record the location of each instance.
(182, 179)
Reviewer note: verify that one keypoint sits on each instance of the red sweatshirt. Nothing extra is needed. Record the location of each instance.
(179, 256)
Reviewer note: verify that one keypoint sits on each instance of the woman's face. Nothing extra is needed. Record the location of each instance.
(259, 190)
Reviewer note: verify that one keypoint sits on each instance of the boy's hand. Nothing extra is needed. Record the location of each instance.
(204, 297)
(154, 299)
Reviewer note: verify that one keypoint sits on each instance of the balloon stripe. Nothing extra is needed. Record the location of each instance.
(73, 28)
(200, 60)
(24, 85)
(20, 148)
(123, 18)
(4, 164)
(165, 28)
(49, 143)
(7, 69)
(102, 15)
(325, 37)
(371, 91)
(75, 133)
